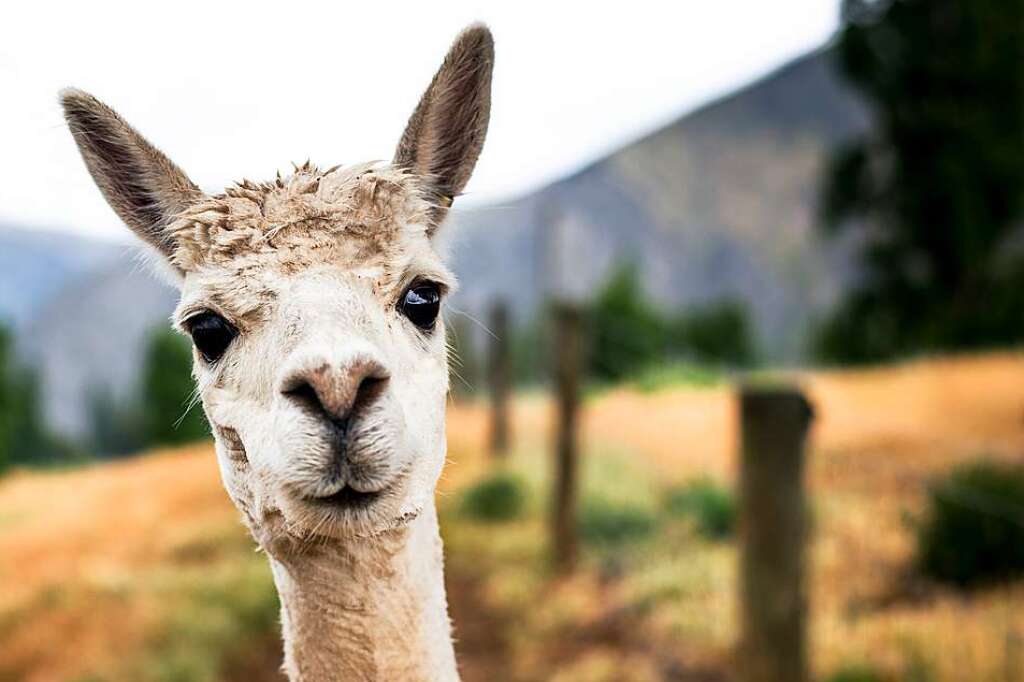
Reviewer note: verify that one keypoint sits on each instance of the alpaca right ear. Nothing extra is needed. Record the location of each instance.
(141, 184)
(445, 134)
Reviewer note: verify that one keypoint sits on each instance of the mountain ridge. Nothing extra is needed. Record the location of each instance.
(718, 204)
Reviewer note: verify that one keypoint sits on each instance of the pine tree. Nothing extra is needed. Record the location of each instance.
(937, 187)
(168, 414)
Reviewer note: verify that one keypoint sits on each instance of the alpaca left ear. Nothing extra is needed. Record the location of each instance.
(445, 134)
(141, 184)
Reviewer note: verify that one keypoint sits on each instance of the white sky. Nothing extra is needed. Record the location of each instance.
(232, 90)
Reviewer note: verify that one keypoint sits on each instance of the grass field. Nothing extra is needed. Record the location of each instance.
(139, 570)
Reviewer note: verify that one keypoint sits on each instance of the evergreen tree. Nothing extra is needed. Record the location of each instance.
(23, 437)
(116, 428)
(937, 186)
(718, 333)
(7, 401)
(626, 331)
(167, 411)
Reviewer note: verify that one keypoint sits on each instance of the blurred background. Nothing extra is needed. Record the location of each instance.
(688, 218)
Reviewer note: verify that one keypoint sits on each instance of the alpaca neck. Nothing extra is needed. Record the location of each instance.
(373, 609)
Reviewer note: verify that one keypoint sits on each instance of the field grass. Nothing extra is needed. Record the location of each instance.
(139, 570)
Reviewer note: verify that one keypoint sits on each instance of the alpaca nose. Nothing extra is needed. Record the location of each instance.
(336, 392)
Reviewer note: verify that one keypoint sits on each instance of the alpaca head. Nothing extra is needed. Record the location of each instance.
(313, 305)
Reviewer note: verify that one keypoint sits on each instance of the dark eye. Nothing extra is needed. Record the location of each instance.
(421, 303)
(211, 333)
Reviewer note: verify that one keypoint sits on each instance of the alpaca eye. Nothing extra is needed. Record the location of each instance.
(211, 333)
(420, 304)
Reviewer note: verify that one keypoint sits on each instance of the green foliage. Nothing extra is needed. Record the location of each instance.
(715, 334)
(712, 508)
(629, 337)
(23, 437)
(676, 373)
(626, 332)
(974, 529)
(856, 672)
(499, 497)
(604, 522)
(939, 179)
(216, 616)
(167, 388)
(116, 428)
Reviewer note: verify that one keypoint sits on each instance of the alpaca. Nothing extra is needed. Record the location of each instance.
(319, 354)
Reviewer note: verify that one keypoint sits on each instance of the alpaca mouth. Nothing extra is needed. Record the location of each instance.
(348, 498)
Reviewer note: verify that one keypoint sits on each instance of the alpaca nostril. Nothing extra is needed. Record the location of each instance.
(370, 388)
(306, 396)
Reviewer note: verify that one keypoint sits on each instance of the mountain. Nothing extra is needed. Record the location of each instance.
(36, 264)
(91, 337)
(718, 204)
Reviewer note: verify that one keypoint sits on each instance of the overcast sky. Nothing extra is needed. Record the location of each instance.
(241, 90)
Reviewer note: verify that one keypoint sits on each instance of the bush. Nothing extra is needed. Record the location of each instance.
(499, 497)
(718, 333)
(603, 522)
(974, 528)
(712, 507)
(674, 374)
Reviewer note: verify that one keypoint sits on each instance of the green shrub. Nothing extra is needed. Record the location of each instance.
(712, 507)
(603, 522)
(676, 373)
(974, 528)
(626, 331)
(857, 672)
(499, 497)
(717, 333)
(218, 615)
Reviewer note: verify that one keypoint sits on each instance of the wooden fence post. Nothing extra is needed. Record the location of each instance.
(499, 376)
(568, 349)
(773, 535)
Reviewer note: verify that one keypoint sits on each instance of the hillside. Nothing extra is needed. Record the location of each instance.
(140, 569)
(719, 204)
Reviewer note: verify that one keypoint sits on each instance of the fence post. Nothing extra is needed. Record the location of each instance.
(499, 375)
(773, 535)
(568, 360)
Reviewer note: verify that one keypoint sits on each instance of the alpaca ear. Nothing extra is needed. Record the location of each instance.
(445, 134)
(141, 184)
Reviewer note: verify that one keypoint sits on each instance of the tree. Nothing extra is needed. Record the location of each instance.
(718, 333)
(167, 411)
(7, 401)
(23, 437)
(936, 188)
(115, 426)
(626, 331)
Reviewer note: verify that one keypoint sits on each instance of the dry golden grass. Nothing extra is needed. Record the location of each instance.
(80, 550)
